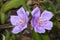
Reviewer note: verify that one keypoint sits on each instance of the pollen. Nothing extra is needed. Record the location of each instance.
(40, 21)
(21, 21)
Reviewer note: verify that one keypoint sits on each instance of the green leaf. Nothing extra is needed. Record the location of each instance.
(36, 36)
(10, 36)
(9, 5)
(3, 18)
(48, 6)
(58, 14)
(12, 4)
(55, 25)
(1, 4)
(3, 37)
(45, 37)
(7, 34)
(13, 37)
(58, 4)
(26, 8)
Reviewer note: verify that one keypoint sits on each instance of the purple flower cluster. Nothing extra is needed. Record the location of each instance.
(20, 21)
(39, 21)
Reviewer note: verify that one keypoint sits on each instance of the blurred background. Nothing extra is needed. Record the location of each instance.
(9, 7)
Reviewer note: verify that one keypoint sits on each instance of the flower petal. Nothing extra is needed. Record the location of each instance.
(34, 21)
(36, 12)
(47, 25)
(27, 13)
(26, 19)
(46, 15)
(39, 29)
(18, 29)
(21, 11)
(14, 20)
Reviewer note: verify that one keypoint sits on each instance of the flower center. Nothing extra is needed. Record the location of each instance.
(21, 21)
(40, 21)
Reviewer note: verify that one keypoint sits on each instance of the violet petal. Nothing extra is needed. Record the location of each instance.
(46, 15)
(14, 20)
(36, 12)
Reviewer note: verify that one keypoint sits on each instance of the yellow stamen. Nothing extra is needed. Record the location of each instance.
(40, 21)
(21, 21)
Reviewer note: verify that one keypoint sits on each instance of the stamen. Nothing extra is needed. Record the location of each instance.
(22, 21)
(40, 21)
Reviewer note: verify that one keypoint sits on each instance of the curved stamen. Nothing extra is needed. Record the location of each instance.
(21, 21)
(40, 21)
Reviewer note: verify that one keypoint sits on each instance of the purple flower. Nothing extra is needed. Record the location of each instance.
(20, 21)
(41, 22)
